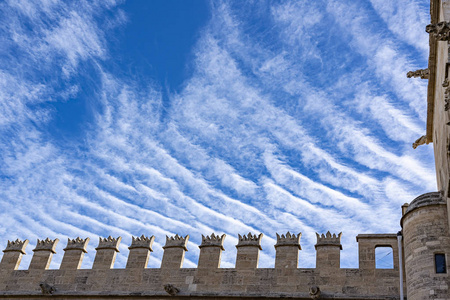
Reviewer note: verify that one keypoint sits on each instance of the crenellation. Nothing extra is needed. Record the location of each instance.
(106, 252)
(74, 253)
(248, 247)
(287, 248)
(43, 253)
(140, 251)
(13, 254)
(286, 279)
(174, 251)
(328, 255)
(211, 251)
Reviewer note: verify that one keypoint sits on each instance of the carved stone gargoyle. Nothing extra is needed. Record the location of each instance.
(171, 289)
(47, 289)
(420, 141)
(314, 292)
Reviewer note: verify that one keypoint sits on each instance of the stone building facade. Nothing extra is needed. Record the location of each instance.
(420, 251)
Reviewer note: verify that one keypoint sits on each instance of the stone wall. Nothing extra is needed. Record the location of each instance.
(207, 280)
(426, 233)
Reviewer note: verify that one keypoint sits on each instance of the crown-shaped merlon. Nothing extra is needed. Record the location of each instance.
(213, 241)
(142, 242)
(329, 239)
(46, 245)
(109, 243)
(249, 240)
(77, 244)
(289, 240)
(16, 246)
(176, 241)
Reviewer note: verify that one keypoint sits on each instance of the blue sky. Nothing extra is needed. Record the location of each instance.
(193, 117)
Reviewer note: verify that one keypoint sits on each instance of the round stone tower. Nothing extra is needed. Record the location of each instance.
(426, 245)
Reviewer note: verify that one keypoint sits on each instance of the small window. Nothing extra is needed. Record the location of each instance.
(384, 258)
(439, 260)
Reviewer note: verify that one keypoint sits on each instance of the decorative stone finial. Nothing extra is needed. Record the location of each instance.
(288, 240)
(422, 73)
(142, 242)
(441, 30)
(328, 239)
(16, 246)
(77, 244)
(213, 241)
(176, 241)
(109, 243)
(46, 245)
(250, 240)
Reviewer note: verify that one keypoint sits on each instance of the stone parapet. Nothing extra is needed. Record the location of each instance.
(246, 280)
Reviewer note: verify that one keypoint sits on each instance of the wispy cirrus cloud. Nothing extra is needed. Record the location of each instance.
(295, 117)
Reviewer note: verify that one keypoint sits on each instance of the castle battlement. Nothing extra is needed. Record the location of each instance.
(286, 279)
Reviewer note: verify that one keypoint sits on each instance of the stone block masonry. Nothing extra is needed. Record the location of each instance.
(206, 281)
